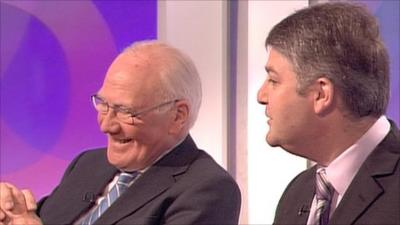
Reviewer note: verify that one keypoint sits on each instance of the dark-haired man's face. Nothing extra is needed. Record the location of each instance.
(289, 114)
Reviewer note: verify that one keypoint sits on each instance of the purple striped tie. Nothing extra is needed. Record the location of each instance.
(323, 192)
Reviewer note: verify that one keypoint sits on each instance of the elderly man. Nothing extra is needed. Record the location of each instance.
(151, 171)
(326, 94)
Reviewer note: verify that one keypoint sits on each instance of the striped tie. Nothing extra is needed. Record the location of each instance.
(121, 185)
(324, 191)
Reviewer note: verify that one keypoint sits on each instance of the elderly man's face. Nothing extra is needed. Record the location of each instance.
(132, 83)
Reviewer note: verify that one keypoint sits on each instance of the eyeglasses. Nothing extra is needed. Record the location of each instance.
(124, 114)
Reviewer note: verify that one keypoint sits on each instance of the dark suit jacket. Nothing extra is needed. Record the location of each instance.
(185, 187)
(373, 196)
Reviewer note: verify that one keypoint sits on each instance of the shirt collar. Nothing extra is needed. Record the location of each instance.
(342, 170)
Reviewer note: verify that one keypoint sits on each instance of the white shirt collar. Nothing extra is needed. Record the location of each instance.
(342, 170)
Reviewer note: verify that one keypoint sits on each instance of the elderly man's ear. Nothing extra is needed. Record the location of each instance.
(180, 114)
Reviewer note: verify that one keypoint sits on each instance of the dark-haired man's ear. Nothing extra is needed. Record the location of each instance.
(323, 95)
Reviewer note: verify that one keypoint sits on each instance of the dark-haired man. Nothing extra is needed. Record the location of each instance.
(326, 93)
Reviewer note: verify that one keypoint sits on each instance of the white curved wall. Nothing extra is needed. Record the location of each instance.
(200, 29)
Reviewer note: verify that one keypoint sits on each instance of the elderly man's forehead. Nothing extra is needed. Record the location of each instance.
(128, 62)
(127, 69)
(147, 51)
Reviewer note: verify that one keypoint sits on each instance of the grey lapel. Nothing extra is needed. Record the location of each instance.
(301, 207)
(295, 203)
(78, 191)
(152, 183)
(358, 198)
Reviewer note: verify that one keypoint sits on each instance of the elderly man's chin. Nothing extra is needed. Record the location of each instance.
(119, 159)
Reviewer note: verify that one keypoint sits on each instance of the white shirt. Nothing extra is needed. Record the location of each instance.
(342, 170)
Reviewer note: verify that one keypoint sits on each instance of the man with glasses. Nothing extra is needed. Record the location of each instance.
(151, 171)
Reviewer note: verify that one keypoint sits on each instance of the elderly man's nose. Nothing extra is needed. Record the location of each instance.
(108, 122)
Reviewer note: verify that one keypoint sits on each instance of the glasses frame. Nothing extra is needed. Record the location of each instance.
(132, 113)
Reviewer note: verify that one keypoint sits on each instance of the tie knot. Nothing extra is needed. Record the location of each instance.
(321, 172)
(324, 189)
(125, 178)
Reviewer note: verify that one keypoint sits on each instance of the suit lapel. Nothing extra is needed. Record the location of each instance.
(301, 207)
(356, 199)
(93, 188)
(365, 187)
(156, 180)
(81, 191)
(294, 205)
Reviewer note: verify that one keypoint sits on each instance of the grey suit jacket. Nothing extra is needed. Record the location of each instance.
(373, 196)
(185, 187)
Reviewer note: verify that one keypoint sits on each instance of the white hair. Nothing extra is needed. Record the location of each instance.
(178, 75)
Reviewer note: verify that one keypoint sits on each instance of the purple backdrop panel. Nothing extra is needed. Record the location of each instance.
(388, 14)
(54, 55)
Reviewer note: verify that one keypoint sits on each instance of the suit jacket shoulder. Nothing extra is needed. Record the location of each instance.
(185, 187)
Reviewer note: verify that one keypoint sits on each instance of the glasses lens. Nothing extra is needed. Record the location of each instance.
(124, 115)
(99, 104)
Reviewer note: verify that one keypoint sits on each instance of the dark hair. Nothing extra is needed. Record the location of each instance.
(339, 41)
